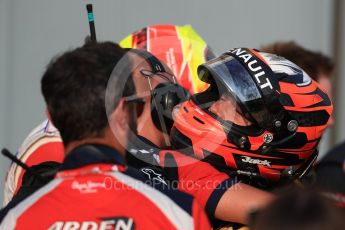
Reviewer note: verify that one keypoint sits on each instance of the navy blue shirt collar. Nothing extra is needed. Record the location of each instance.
(91, 154)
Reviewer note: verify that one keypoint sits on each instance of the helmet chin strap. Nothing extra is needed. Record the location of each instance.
(251, 178)
(307, 167)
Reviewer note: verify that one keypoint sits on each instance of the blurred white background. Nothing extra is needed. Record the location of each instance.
(32, 32)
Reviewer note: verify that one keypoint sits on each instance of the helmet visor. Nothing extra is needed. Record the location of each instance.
(227, 76)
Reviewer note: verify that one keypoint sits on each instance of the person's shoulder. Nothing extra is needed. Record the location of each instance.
(21, 206)
(152, 177)
(175, 205)
(176, 158)
(335, 155)
(44, 129)
(46, 136)
(43, 144)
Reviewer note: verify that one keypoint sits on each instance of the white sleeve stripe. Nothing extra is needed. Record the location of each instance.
(10, 220)
(179, 217)
(24, 154)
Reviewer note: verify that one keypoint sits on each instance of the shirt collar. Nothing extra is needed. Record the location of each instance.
(91, 154)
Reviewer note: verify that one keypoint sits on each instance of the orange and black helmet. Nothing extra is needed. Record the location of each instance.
(287, 110)
(180, 47)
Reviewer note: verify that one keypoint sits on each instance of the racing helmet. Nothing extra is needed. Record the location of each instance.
(180, 47)
(287, 113)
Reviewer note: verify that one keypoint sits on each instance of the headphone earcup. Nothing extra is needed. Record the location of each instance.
(164, 98)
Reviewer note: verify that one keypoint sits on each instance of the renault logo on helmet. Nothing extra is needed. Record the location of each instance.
(253, 65)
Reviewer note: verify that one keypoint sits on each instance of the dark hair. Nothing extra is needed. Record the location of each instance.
(313, 63)
(298, 210)
(74, 87)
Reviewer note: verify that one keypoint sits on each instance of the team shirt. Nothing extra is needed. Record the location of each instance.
(95, 190)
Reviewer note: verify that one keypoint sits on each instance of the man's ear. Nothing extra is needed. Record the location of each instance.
(118, 119)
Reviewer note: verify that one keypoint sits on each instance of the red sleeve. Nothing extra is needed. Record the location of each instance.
(197, 178)
(199, 216)
(51, 151)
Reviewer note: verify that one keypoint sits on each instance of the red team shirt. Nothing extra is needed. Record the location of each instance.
(104, 196)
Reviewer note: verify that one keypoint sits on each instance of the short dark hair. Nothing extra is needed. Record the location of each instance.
(74, 87)
(313, 63)
(298, 209)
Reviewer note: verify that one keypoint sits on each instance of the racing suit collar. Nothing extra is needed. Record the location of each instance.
(91, 154)
(141, 152)
(143, 142)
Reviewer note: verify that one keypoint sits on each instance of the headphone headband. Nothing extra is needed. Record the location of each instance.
(154, 63)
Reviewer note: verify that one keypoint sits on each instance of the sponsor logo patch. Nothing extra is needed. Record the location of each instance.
(118, 223)
(88, 186)
(152, 175)
(250, 160)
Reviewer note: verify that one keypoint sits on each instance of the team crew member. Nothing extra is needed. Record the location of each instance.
(330, 175)
(42, 149)
(316, 64)
(94, 188)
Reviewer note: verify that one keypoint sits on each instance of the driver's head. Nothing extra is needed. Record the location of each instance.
(262, 116)
(226, 108)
